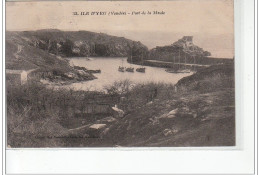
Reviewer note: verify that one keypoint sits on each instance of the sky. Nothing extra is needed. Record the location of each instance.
(211, 22)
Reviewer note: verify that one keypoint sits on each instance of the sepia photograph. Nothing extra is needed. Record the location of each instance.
(87, 74)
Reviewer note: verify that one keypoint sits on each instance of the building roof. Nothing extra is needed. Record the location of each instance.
(9, 71)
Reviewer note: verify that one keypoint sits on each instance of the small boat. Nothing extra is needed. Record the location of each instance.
(178, 70)
(121, 69)
(141, 69)
(129, 69)
(95, 71)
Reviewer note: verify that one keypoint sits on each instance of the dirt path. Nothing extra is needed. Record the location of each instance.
(19, 49)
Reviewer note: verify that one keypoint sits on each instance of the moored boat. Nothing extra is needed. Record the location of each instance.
(178, 70)
(95, 71)
(121, 69)
(129, 69)
(140, 69)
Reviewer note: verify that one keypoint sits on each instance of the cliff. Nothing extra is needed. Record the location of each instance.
(78, 43)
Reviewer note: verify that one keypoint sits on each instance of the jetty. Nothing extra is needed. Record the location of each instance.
(165, 64)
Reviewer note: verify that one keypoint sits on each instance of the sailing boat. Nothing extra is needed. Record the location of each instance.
(185, 70)
(130, 69)
(141, 69)
(173, 70)
(121, 68)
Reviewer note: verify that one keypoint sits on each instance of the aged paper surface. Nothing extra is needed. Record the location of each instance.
(120, 74)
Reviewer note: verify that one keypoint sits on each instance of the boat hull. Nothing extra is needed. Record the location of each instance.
(121, 69)
(129, 69)
(142, 70)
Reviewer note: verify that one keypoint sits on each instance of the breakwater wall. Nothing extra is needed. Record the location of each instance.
(164, 64)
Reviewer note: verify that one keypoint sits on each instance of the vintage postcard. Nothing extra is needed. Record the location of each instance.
(120, 74)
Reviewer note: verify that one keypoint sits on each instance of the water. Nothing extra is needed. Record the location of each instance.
(109, 73)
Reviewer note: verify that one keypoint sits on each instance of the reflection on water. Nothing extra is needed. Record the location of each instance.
(109, 73)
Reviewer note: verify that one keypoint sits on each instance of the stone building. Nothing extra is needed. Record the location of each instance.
(188, 41)
(16, 77)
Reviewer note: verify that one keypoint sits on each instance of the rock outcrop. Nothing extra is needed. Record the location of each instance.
(183, 50)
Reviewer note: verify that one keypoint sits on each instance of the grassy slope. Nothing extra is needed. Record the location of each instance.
(30, 57)
(205, 117)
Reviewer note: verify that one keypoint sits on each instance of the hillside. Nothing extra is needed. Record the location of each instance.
(22, 56)
(44, 51)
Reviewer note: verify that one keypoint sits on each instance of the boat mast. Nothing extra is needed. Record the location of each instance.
(173, 63)
(131, 55)
(193, 55)
(185, 60)
(179, 57)
(142, 61)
